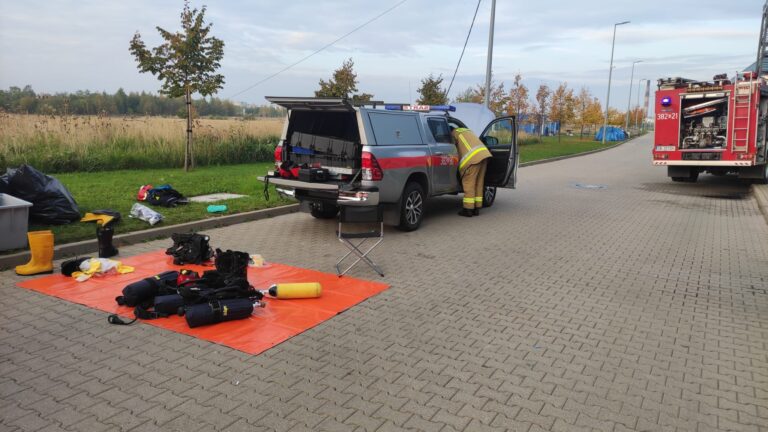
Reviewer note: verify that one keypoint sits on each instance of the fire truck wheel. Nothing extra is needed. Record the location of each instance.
(691, 178)
(764, 178)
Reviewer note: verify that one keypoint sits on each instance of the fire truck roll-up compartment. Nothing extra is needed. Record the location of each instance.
(716, 127)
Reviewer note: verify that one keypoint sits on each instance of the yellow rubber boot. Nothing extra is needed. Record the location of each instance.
(41, 250)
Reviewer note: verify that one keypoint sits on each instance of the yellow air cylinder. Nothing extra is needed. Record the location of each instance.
(296, 290)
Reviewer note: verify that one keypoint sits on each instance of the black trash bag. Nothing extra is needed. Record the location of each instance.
(52, 204)
(4, 181)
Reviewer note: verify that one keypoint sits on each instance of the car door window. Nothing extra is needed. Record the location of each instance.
(500, 134)
(440, 130)
(395, 128)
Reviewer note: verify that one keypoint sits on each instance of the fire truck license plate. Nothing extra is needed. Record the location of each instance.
(666, 116)
(665, 148)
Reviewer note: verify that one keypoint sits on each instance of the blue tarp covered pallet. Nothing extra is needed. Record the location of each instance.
(614, 134)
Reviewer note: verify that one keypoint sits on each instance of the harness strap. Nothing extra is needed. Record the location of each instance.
(145, 314)
(114, 319)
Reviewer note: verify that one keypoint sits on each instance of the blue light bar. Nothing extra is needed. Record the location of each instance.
(443, 108)
(666, 101)
(393, 107)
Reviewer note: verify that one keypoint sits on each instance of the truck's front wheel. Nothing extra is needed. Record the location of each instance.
(323, 210)
(691, 177)
(489, 196)
(411, 207)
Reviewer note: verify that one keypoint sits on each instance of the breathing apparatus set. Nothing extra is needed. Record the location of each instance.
(215, 296)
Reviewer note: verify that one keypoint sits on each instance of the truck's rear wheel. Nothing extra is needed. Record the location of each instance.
(411, 207)
(323, 210)
(764, 178)
(489, 196)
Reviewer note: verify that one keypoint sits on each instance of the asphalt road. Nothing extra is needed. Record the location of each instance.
(599, 295)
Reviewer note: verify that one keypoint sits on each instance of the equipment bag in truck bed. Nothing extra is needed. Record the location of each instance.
(313, 175)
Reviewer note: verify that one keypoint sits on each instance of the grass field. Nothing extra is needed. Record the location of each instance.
(117, 190)
(530, 150)
(59, 144)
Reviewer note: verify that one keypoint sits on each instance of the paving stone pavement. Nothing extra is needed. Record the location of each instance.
(639, 306)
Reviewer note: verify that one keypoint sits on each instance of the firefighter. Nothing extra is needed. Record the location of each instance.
(472, 165)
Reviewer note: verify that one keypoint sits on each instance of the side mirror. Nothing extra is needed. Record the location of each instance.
(490, 141)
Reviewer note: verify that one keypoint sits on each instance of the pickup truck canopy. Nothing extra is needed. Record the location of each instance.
(310, 104)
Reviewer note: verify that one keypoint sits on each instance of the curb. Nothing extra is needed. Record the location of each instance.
(559, 158)
(760, 192)
(89, 246)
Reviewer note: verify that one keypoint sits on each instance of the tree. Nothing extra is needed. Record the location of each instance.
(616, 117)
(431, 92)
(542, 98)
(581, 103)
(498, 100)
(343, 84)
(594, 114)
(186, 63)
(121, 101)
(518, 98)
(469, 95)
(562, 106)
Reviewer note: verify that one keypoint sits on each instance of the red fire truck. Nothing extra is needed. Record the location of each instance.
(717, 127)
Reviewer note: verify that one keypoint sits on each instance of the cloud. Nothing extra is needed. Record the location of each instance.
(85, 42)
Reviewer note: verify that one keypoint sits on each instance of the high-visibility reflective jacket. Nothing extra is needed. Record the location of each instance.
(471, 149)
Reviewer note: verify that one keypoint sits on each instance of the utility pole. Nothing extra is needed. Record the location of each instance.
(637, 113)
(645, 103)
(629, 99)
(490, 57)
(610, 73)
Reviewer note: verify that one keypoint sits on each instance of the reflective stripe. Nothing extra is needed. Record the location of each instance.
(464, 141)
(469, 200)
(469, 155)
(478, 199)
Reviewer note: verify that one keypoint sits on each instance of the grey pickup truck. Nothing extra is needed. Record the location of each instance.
(394, 156)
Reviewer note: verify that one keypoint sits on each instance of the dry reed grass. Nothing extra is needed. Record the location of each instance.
(17, 130)
(92, 143)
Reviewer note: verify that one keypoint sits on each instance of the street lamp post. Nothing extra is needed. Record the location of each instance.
(637, 113)
(490, 57)
(610, 73)
(629, 99)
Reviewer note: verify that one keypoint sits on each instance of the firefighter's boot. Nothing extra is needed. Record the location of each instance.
(465, 212)
(41, 251)
(106, 248)
(476, 212)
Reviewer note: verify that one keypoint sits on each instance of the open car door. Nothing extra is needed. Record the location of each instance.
(500, 136)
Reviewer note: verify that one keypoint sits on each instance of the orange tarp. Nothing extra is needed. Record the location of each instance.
(267, 327)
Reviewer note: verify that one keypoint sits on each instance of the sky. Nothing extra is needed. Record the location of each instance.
(69, 45)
